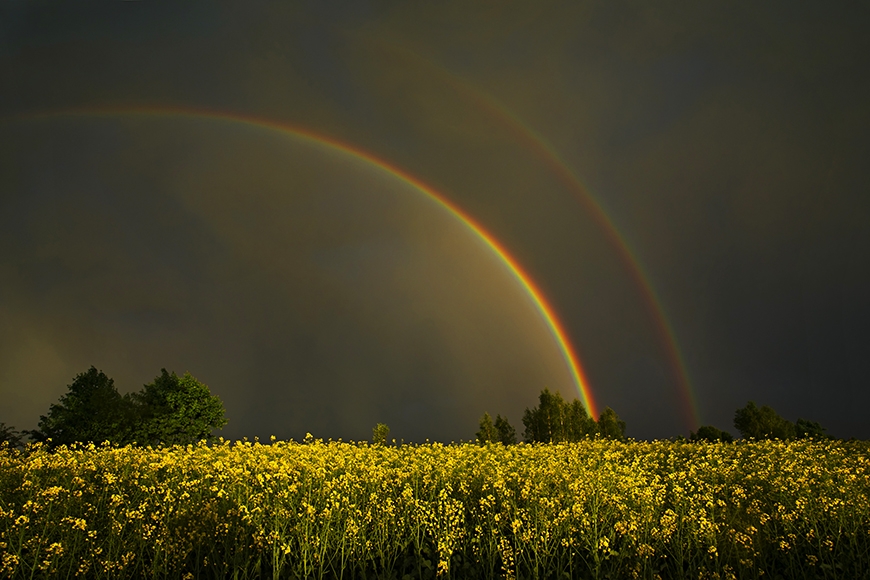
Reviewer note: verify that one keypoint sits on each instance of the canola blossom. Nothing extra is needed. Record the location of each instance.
(594, 509)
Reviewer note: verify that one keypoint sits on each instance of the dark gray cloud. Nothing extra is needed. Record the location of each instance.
(316, 293)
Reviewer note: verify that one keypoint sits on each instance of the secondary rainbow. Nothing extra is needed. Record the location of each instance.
(653, 303)
(544, 308)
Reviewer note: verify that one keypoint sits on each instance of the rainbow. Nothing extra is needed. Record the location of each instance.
(542, 305)
(550, 157)
(651, 300)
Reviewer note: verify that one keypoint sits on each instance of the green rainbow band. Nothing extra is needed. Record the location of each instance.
(544, 308)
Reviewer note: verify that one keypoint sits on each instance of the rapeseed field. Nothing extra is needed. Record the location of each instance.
(315, 509)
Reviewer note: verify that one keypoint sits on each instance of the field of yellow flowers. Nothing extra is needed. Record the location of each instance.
(595, 509)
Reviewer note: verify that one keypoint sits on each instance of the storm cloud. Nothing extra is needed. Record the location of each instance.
(317, 292)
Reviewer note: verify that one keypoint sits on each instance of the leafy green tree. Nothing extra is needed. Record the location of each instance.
(545, 423)
(499, 432)
(762, 423)
(711, 434)
(380, 434)
(9, 436)
(806, 429)
(555, 420)
(580, 424)
(487, 432)
(506, 432)
(92, 410)
(610, 425)
(175, 410)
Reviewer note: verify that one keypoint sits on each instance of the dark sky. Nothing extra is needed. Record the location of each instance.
(727, 145)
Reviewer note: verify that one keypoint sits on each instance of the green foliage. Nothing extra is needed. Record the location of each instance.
(610, 425)
(171, 410)
(175, 410)
(499, 432)
(805, 429)
(762, 423)
(487, 432)
(578, 423)
(380, 434)
(554, 420)
(543, 423)
(91, 411)
(711, 434)
(9, 436)
(506, 432)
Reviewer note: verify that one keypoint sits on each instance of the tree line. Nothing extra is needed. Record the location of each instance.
(555, 420)
(170, 410)
(175, 410)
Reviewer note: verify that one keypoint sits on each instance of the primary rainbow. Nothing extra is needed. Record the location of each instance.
(544, 308)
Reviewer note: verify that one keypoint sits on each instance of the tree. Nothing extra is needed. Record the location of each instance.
(580, 424)
(380, 433)
(499, 432)
(176, 410)
(805, 429)
(92, 410)
(762, 423)
(610, 425)
(554, 420)
(9, 436)
(506, 432)
(711, 434)
(487, 432)
(544, 423)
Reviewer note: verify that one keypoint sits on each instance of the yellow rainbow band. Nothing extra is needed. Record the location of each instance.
(543, 307)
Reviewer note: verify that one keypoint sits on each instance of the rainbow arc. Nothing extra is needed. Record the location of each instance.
(544, 308)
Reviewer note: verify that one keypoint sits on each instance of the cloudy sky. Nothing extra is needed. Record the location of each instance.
(234, 191)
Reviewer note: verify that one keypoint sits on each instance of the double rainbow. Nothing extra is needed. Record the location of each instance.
(550, 156)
